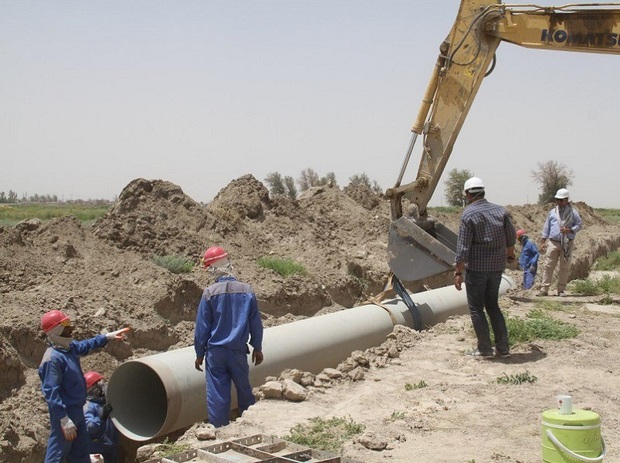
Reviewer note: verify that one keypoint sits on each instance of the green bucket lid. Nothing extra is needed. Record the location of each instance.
(577, 418)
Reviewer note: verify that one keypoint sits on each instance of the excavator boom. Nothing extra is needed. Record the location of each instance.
(418, 248)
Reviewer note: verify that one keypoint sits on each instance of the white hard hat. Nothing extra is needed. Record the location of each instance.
(562, 194)
(473, 185)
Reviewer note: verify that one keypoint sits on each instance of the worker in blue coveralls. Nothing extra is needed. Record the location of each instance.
(64, 387)
(227, 319)
(101, 430)
(528, 258)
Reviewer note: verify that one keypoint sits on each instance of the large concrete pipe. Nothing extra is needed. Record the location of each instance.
(156, 395)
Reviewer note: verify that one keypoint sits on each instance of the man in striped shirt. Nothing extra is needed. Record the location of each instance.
(486, 241)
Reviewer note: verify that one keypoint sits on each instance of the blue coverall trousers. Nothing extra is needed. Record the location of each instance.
(59, 448)
(223, 366)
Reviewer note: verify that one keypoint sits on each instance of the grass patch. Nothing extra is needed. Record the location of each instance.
(609, 262)
(519, 378)
(168, 448)
(612, 215)
(551, 306)
(538, 325)
(328, 435)
(174, 264)
(85, 213)
(283, 267)
(419, 385)
(605, 285)
(398, 416)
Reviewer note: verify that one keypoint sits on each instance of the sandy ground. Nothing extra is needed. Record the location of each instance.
(463, 415)
(104, 277)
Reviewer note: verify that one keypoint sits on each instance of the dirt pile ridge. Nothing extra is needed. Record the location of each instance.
(103, 275)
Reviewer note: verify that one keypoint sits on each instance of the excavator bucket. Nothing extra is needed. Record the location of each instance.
(416, 253)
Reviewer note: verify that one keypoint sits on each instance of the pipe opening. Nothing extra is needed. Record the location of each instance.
(139, 400)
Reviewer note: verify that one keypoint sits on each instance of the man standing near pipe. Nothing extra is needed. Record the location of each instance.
(486, 241)
(227, 317)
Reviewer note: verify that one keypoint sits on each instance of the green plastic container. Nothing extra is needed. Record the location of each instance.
(572, 438)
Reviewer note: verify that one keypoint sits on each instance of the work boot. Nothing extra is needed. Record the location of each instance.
(542, 292)
(561, 294)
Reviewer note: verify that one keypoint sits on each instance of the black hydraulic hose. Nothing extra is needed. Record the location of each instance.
(413, 309)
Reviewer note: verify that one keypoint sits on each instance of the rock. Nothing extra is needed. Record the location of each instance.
(205, 431)
(373, 442)
(293, 374)
(272, 390)
(293, 391)
(360, 358)
(332, 373)
(146, 452)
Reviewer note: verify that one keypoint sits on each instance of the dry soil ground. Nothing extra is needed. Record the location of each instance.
(103, 276)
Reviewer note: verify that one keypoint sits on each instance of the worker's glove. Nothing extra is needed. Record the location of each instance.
(68, 428)
(107, 409)
(118, 334)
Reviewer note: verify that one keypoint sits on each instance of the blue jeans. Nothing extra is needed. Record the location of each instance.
(483, 293)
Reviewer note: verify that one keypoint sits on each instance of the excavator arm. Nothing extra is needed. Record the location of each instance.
(418, 247)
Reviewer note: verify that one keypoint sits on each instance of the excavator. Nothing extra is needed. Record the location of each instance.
(418, 246)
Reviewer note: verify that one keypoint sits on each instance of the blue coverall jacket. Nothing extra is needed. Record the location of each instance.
(227, 318)
(528, 261)
(64, 388)
(102, 432)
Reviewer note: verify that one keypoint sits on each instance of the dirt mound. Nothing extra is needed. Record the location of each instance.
(104, 277)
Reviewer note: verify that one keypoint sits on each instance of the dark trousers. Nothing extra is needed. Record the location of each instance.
(483, 293)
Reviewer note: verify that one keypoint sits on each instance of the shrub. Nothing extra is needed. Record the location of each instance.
(609, 262)
(605, 285)
(328, 435)
(284, 267)
(419, 385)
(168, 448)
(538, 325)
(174, 264)
(517, 379)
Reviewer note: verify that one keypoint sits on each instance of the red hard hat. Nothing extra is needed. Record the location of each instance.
(91, 378)
(213, 254)
(520, 232)
(52, 319)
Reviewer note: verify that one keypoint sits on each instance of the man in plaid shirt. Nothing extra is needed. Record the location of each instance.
(486, 241)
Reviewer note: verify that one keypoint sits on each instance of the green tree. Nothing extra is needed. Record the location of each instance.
(454, 186)
(279, 185)
(363, 180)
(276, 183)
(329, 179)
(551, 175)
(291, 190)
(309, 178)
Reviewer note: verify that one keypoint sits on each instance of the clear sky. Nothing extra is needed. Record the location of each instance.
(94, 94)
